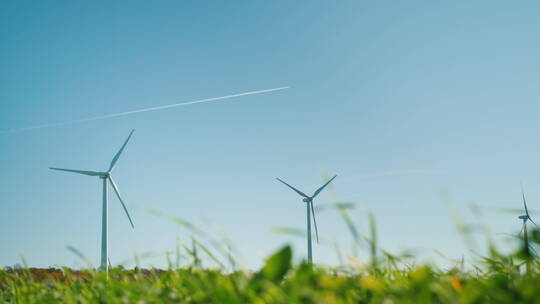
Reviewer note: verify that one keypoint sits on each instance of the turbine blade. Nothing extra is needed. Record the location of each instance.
(121, 201)
(511, 235)
(314, 221)
(524, 203)
(530, 219)
(293, 188)
(91, 173)
(322, 187)
(115, 158)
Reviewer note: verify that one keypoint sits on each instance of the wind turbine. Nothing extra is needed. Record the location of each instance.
(525, 218)
(106, 176)
(309, 205)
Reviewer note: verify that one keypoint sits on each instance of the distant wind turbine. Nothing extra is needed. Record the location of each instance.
(525, 218)
(106, 176)
(309, 205)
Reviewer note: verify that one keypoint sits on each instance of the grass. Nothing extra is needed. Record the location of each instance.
(383, 278)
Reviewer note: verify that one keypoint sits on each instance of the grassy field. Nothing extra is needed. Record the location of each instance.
(382, 278)
(502, 281)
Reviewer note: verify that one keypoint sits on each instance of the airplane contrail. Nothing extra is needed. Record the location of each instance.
(143, 110)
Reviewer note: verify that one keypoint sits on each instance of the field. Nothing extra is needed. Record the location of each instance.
(277, 282)
(383, 278)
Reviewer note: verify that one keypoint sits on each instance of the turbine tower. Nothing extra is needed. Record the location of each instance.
(106, 176)
(309, 205)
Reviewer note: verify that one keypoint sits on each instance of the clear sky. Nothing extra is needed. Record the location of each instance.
(420, 107)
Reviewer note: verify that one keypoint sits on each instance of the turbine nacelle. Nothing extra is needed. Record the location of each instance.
(523, 217)
(307, 200)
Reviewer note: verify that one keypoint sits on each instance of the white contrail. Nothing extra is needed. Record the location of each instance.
(143, 110)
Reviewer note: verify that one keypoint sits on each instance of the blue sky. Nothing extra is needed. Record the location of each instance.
(419, 107)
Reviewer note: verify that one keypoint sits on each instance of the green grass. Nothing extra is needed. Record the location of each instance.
(277, 282)
(382, 278)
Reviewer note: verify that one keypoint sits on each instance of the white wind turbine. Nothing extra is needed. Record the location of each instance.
(309, 205)
(106, 176)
